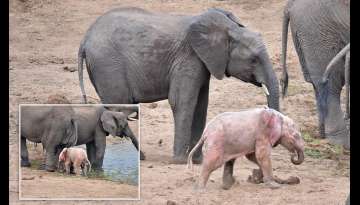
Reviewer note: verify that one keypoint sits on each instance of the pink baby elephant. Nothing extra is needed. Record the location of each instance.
(252, 133)
(76, 157)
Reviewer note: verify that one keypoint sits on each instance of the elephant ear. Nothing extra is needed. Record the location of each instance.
(108, 121)
(210, 40)
(273, 125)
(62, 156)
(230, 15)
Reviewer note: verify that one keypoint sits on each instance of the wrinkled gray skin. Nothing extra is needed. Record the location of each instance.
(320, 29)
(345, 52)
(134, 56)
(95, 123)
(53, 126)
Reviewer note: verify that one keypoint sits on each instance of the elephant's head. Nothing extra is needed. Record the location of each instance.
(292, 140)
(226, 47)
(116, 124)
(282, 130)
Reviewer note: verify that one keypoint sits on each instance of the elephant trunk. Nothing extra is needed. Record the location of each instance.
(271, 82)
(127, 131)
(300, 156)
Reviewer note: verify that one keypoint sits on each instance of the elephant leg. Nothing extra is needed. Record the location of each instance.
(183, 99)
(228, 178)
(68, 166)
(257, 175)
(335, 125)
(211, 162)
(24, 153)
(100, 144)
(77, 167)
(199, 121)
(91, 151)
(50, 161)
(262, 154)
(347, 84)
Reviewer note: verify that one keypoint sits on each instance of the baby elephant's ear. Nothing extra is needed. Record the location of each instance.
(62, 155)
(268, 118)
(272, 124)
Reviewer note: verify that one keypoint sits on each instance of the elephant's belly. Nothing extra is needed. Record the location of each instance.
(84, 140)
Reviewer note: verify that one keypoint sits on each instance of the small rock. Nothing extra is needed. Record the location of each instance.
(69, 68)
(169, 202)
(152, 105)
(150, 166)
(160, 142)
(28, 178)
(57, 99)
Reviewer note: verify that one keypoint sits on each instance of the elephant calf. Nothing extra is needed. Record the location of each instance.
(76, 157)
(252, 133)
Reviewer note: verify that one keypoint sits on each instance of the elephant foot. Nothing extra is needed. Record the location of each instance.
(97, 169)
(342, 139)
(42, 166)
(256, 177)
(199, 188)
(228, 182)
(25, 163)
(50, 168)
(142, 156)
(178, 160)
(197, 160)
(272, 184)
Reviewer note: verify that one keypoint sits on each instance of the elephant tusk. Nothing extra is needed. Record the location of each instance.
(131, 119)
(266, 91)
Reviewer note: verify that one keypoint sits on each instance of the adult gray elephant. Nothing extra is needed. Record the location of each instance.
(135, 56)
(320, 29)
(53, 126)
(97, 122)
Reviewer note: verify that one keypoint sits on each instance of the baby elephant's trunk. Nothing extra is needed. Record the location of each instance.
(300, 157)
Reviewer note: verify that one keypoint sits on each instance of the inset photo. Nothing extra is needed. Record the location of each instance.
(79, 152)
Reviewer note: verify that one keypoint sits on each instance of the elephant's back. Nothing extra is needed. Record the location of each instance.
(35, 120)
(320, 29)
(129, 24)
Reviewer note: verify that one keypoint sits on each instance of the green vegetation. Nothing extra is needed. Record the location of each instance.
(321, 149)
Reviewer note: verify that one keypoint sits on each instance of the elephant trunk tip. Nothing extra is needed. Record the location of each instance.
(300, 157)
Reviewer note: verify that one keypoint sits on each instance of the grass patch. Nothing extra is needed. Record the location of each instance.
(321, 148)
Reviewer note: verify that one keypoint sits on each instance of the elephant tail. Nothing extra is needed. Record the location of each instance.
(189, 161)
(285, 78)
(81, 56)
(89, 167)
(334, 61)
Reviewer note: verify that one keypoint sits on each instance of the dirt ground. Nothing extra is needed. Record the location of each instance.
(44, 38)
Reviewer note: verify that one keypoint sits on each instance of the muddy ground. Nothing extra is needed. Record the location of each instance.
(44, 38)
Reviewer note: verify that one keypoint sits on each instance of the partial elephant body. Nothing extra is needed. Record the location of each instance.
(251, 133)
(77, 158)
(95, 123)
(320, 29)
(135, 56)
(54, 126)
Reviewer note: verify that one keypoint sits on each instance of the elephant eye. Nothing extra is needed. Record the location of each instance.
(253, 60)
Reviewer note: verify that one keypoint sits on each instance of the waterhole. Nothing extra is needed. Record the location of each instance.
(121, 162)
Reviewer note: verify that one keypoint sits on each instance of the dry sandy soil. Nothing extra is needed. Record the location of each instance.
(44, 38)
